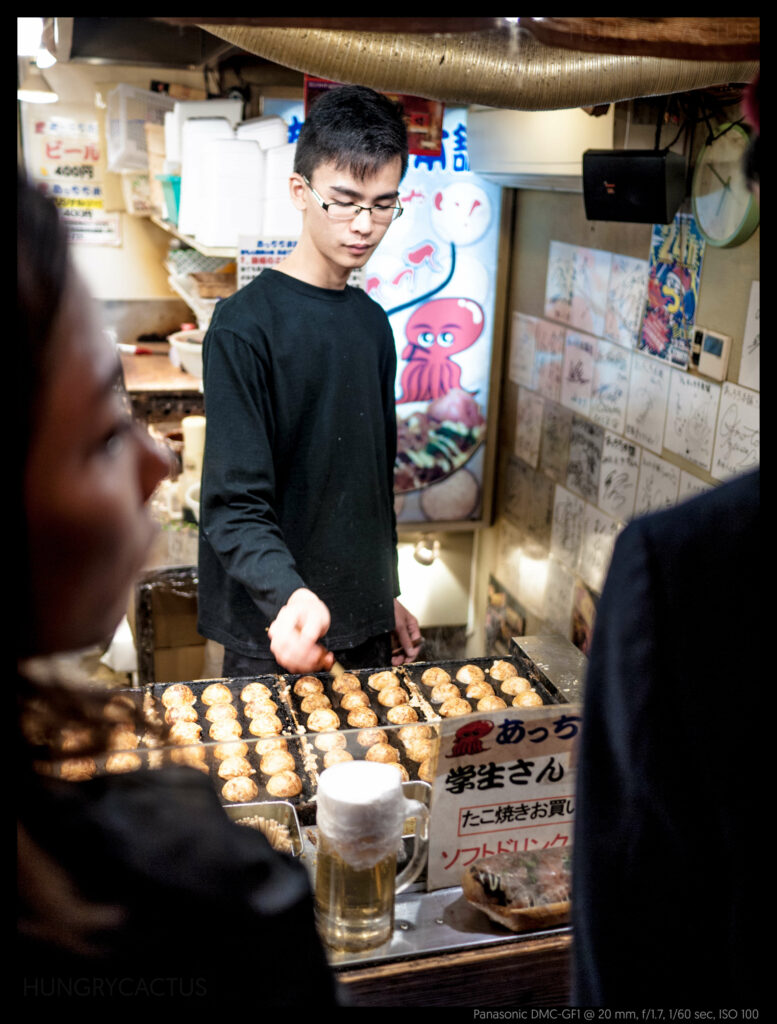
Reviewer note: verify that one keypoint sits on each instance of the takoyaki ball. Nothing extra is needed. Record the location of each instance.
(122, 762)
(433, 676)
(531, 699)
(405, 774)
(454, 707)
(284, 784)
(515, 685)
(402, 714)
(183, 733)
(255, 691)
(426, 770)
(379, 680)
(267, 743)
(470, 674)
(336, 756)
(226, 730)
(491, 703)
(221, 712)
(361, 718)
(216, 693)
(314, 701)
(479, 689)
(194, 757)
(323, 720)
(178, 693)
(419, 750)
(265, 724)
(119, 707)
(123, 738)
(390, 696)
(275, 761)
(367, 737)
(180, 713)
(354, 699)
(77, 769)
(75, 738)
(383, 753)
(413, 733)
(225, 750)
(502, 670)
(330, 741)
(306, 685)
(260, 706)
(444, 691)
(235, 767)
(346, 682)
(239, 790)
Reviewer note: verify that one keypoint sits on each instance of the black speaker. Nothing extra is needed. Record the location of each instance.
(644, 186)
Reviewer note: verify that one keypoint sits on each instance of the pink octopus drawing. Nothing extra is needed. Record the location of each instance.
(436, 331)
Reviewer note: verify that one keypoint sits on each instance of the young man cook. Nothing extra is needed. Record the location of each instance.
(297, 561)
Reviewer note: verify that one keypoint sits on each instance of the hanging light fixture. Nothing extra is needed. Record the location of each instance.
(34, 87)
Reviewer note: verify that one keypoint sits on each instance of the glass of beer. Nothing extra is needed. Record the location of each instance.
(360, 813)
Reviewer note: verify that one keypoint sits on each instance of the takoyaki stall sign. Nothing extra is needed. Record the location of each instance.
(505, 783)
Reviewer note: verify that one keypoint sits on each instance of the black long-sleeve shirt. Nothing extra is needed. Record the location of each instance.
(297, 485)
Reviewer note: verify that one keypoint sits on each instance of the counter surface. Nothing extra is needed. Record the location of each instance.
(155, 373)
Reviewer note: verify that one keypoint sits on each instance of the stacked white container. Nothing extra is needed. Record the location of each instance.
(232, 110)
(267, 131)
(231, 188)
(281, 218)
(196, 132)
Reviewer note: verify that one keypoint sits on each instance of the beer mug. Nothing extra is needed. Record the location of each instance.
(361, 811)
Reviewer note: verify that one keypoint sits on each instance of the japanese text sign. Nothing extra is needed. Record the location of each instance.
(505, 783)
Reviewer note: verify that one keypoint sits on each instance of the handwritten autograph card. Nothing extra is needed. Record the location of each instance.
(521, 364)
(691, 486)
(568, 510)
(585, 457)
(618, 476)
(750, 367)
(597, 540)
(559, 595)
(589, 289)
(610, 386)
(658, 486)
(548, 358)
(577, 371)
(558, 281)
(554, 449)
(625, 299)
(646, 407)
(528, 428)
(690, 418)
(738, 438)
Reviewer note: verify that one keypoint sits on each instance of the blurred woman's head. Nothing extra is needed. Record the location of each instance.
(87, 469)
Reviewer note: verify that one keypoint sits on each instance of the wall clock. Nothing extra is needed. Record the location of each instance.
(726, 212)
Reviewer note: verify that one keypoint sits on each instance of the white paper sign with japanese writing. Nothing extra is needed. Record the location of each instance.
(738, 438)
(256, 254)
(750, 367)
(505, 783)
(648, 396)
(690, 420)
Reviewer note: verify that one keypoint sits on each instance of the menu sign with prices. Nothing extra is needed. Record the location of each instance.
(65, 160)
(505, 783)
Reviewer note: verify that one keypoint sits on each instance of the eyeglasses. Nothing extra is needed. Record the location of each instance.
(349, 211)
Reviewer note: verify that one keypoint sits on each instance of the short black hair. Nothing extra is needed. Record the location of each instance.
(351, 127)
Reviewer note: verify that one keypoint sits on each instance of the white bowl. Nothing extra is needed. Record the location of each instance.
(189, 354)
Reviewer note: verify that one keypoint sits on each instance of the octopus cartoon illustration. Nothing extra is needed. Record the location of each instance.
(469, 738)
(435, 332)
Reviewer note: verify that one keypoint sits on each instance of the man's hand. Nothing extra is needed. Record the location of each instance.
(406, 637)
(296, 630)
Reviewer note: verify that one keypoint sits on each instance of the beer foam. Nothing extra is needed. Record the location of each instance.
(361, 810)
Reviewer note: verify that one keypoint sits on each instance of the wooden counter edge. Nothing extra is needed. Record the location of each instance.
(533, 971)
